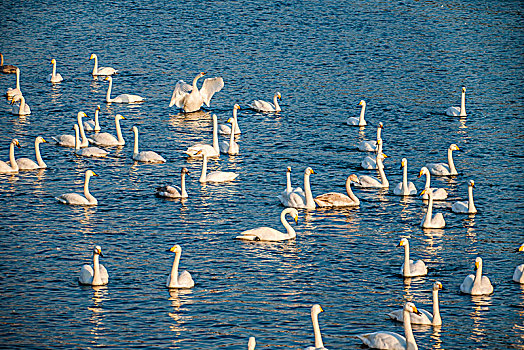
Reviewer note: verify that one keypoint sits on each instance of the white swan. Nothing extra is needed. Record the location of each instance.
(91, 125)
(425, 317)
(174, 280)
(301, 200)
(13, 166)
(191, 102)
(69, 140)
(353, 121)
(6, 68)
(211, 151)
(466, 207)
(477, 284)
(174, 191)
(75, 198)
(367, 181)
(371, 146)
(95, 275)
(29, 164)
(54, 77)
(145, 156)
(284, 196)
(11, 93)
(215, 176)
(430, 221)
(226, 130)
(106, 139)
(391, 340)
(263, 106)
(270, 234)
(443, 169)
(124, 98)
(87, 151)
(370, 162)
(518, 275)
(438, 193)
(458, 111)
(251, 343)
(230, 147)
(405, 188)
(22, 108)
(410, 268)
(319, 345)
(101, 70)
(334, 199)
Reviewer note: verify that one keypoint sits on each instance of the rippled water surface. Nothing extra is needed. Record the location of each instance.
(407, 59)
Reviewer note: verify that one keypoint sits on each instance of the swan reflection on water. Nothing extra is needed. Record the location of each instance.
(100, 294)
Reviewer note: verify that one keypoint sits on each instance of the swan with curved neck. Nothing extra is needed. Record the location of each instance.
(371, 146)
(410, 268)
(91, 125)
(430, 221)
(302, 200)
(29, 164)
(230, 147)
(425, 316)
(367, 181)
(95, 275)
(75, 198)
(174, 191)
(360, 121)
(215, 176)
(518, 275)
(101, 70)
(106, 139)
(477, 284)
(87, 151)
(211, 151)
(13, 166)
(270, 234)
(69, 140)
(405, 188)
(6, 68)
(263, 106)
(319, 344)
(370, 162)
(335, 199)
(124, 98)
(22, 108)
(54, 77)
(174, 280)
(226, 130)
(443, 169)
(284, 196)
(11, 93)
(145, 156)
(459, 111)
(466, 207)
(438, 193)
(192, 102)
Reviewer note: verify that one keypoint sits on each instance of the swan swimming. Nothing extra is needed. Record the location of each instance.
(353, 121)
(106, 139)
(91, 125)
(430, 221)
(22, 108)
(319, 345)
(11, 93)
(102, 70)
(518, 275)
(370, 162)
(75, 198)
(87, 151)
(145, 156)
(410, 268)
(124, 98)
(230, 147)
(215, 176)
(371, 146)
(458, 111)
(174, 280)
(405, 188)
(303, 200)
(174, 191)
(366, 181)
(69, 140)
(190, 98)
(29, 164)
(226, 130)
(269, 234)
(54, 77)
(13, 168)
(466, 207)
(425, 317)
(95, 275)
(334, 199)
(443, 169)
(284, 196)
(477, 284)
(263, 106)
(251, 343)
(438, 193)
(211, 151)
(6, 68)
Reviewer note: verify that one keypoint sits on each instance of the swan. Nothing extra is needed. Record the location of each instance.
(13, 167)
(334, 199)
(458, 111)
(430, 221)
(371, 146)
(22, 108)
(477, 284)
(54, 77)
(405, 188)
(191, 102)
(174, 191)
(106, 139)
(263, 106)
(319, 345)
(443, 169)
(366, 181)
(211, 151)
(391, 340)
(270, 234)
(230, 147)
(174, 280)
(69, 140)
(91, 125)
(75, 198)
(425, 316)
(215, 176)
(438, 193)
(145, 156)
(370, 162)
(11, 93)
(466, 207)
(101, 70)
(353, 121)
(518, 275)
(226, 130)
(284, 196)
(124, 98)
(87, 151)
(95, 275)
(28, 164)
(301, 200)
(251, 343)
(6, 68)
(409, 268)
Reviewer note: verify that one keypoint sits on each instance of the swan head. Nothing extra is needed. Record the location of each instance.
(309, 171)
(316, 309)
(109, 78)
(471, 183)
(119, 116)
(478, 263)
(90, 173)
(92, 56)
(410, 307)
(40, 139)
(16, 143)
(236, 106)
(278, 95)
(203, 152)
(454, 147)
(288, 169)
(175, 249)
(184, 171)
(354, 178)
(135, 129)
(17, 98)
(362, 103)
(380, 125)
(98, 108)
(403, 243)
(463, 89)
(382, 156)
(230, 120)
(97, 250)
(201, 74)
(437, 286)
(423, 171)
(294, 214)
(521, 248)
(403, 163)
(80, 115)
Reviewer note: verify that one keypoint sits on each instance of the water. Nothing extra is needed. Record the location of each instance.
(408, 60)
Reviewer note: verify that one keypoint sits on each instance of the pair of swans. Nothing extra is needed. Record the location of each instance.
(360, 121)
(173, 191)
(22, 108)
(174, 280)
(438, 193)
(466, 207)
(108, 140)
(458, 111)
(429, 220)
(370, 162)
(289, 189)
(54, 77)
(145, 156)
(11, 168)
(190, 98)
(518, 275)
(425, 317)
(410, 268)
(371, 146)
(230, 147)
(29, 164)
(6, 68)
(263, 106)
(12, 92)
(93, 125)
(366, 181)
(215, 176)
(96, 274)
(77, 199)
(226, 130)
(87, 151)
(477, 284)
(443, 169)
(335, 199)
(70, 140)
(124, 98)
(102, 70)
(269, 234)
(296, 198)
(196, 151)
(405, 188)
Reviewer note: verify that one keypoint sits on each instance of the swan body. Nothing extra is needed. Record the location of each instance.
(477, 284)
(87, 151)
(271, 235)
(189, 98)
(371, 146)
(263, 106)
(226, 130)
(430, 221)
(443, 169)
(174, 280)
(69, 140)
(319, 345)
(124, 98)
(284, 196)
(12, 167)
(438, 193)
(174, 191)
(106, 139)
(145, 156)
(6, 68)
(334, 199)
(410, 268)
(458, 111)
(91, 125)
(230, 147)
(102, 70)
(518, 275)
(75, 198)
(11, 93)
(366, 181)
(405, 188)
(425, 317)
(211, 151)
(298, 199)
(215, 176)
(29, 164)
(54, 77)
(95, 275)
(22, 108)
(466, 207)
(360, 121)
(370, 162)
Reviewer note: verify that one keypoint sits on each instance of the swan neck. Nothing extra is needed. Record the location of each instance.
(1, 59)
(275, 102)
(195, 82)
(408, 332)
(18, 79)
(310, 202)
(97, 124)
(288, 182)
(381, 172)
(436, 310)
(77, 140)
(463, 104)
(290, 230)
(350, 192)
(135, 146)
(54, 69)
(183, 185)
(97, 279)
(39, 159)
(22, 104)
(405, 189)
(362, 112)
(406, 260)
(95, 68)
(81, 130)
(452, 169)
(108, 94)
(316, 330)
(478, 278)
(88, 195)
(428, 180)
(215, 135)
(471, 204)
(14, 164)
(429, 213)
(118, 130)
(203, 176)
(173, 280)
(233, 130)
(379, 133)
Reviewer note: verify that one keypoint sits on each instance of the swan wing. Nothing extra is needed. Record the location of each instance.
(439, 194)
(86, 275)
(487, 287)
(185, 280)
(368, 181)
(221, 176)
(467, 284)
(210, 87)
(383, 340)
(296, 200)
(149, 157)
(398, 189)
(193, 150)
(518, 275)
(72, 199)
(126, 98)
(262, 106)
(438, 220)
(367, 146)
(105, 139)
(369, 163)
(411, 188)
(334, 199)
(180, 93)
(103, 274)
(425, 318)
(26, 164)
(65, 140)
(438, 168)
(352, 121)
(418, 268)
(460, 207)
(224, 146)
(92, 152)
(453, 111)
(106, 71)
(263, 234)
(169, 191)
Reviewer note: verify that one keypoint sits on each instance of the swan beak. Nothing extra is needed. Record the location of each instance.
(100, 253)
(521, 248)
(97, 108)
(288, 170)
(440, 287)
(95, 174)
(296, 219)
(203, 73)
(423, 191)
(384, 155)
(420, 174)
(476, 265)
(313, 171)
(18, 144)
(43, 140)
(473, 185)
(416, 311)
(321, 309)
(400, 244)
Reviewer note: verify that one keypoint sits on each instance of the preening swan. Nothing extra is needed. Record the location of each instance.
(458, 111)
(438, 193)
(106, 139)
(174, 191)
(410, 268)
(518, 275)
(443, 169)
(334, 199)
(319, 345)
(215, 176)
(211, 151)
(251, 343)
(477, 284)
(405, 188)
(230, 147)
(466, 207)
(391, 340)
(367, 181)
(270, 234)
(353, 121)
(191, 102)
(75, 198)
(22, 108)
(371, 146)
(226, 130)
(370, 162)
(69, 140)
(263, 106)
(91, 125)
(174, 280)
(145, 156)
(284, 196)
(101, 70)
(95, 275)
(11, 93)
(28, 164)
(124, 98)
(87, 151)
(301, 200)
(430, 221)
(425, 317)
(11, 168)
(54, 77)
(6, 68)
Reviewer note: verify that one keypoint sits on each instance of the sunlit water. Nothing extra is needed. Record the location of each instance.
(408, 60)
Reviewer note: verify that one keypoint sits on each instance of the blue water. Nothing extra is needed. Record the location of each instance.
(407, 59)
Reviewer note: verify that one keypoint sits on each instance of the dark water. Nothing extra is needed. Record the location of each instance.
(407, 59)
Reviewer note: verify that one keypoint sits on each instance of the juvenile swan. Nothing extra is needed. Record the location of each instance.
(425, 316)
(263, 106)
(75, 198)
(124, 98)
(174, 191)
(353, 121)
(443, 169)
(191, 102)
(29, 164)
(477, 284)
(271, 235)
(145, 156)
(95, 275)
(174, 280)
(458, 111)
(466, 207)
(319, 345)
(430, 221)
(518, 275)
(335, 199)
(409, 268)
(6, 68)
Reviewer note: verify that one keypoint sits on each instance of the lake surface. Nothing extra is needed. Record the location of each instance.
(407, 59)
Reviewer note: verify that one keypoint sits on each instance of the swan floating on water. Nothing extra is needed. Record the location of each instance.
(425, 317)
(69, 140)
(438, 193)
(124, 98)
(371, 146)
(284, 196)
(466, 207)
(54, 77)
(458, 111)
(477, 284)
(11, 93)
(174, 280)
(443, 169)
(29, 164)
(91, 125)
(174, 191)
(366, 181)
(145, 156)
(211, 151)
(75, 198)
(95, 275)
(410, 268)
(405, 188)
(518, 275)
(334, 199)
(13, 167)
(430, 221)
(353, 121)
(190, 98)
(6, 68)
(102, 70)
(215, 176)
(263, 106)
(226, 130)
(319, 345)
(106, 139)
(230, 147)
(370, 162)
(270, 234)
(22, 108)
(87, 151)
(304, 200)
